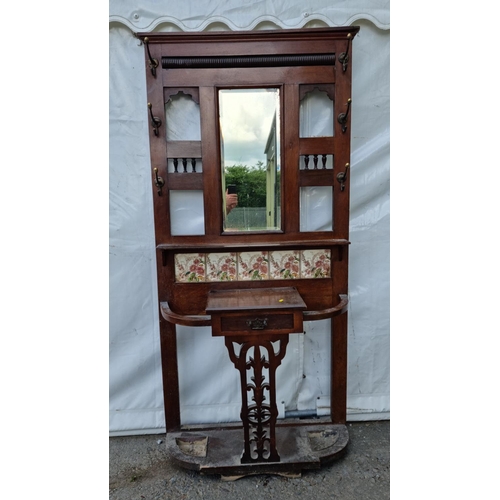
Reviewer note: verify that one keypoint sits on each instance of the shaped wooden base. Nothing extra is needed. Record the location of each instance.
(219, 451)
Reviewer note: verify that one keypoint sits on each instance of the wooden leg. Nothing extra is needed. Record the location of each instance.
(338, 394)
(168, 340)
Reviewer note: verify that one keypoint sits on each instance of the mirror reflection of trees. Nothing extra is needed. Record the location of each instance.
(250, 184)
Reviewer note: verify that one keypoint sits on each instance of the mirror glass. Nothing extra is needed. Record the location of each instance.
(316, 115)
(187, 214)
(183, 118)
(250, 159)
(316, 208)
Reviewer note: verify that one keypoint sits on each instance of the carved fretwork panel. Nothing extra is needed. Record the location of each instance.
(257, 362)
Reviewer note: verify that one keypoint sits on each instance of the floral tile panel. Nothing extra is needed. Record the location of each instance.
(190, 267)
(315, 264)
(222, 267)
(253, 266)
(285, 264)
(250, 266)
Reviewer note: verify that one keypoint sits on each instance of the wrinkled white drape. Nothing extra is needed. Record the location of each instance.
(150, 15)
(211, 392)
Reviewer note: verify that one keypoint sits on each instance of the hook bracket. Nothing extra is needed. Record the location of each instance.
(342, 177)
(159, 182)
(153, 63)
(344, 56)
(155, 121)
(342, 117)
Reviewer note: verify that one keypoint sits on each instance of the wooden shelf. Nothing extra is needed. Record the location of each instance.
(227, 245)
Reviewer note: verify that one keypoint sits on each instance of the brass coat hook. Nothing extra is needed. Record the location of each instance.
(153, 63)
(344, 56)
(159, 182)
(342, 117)
(342, 177)
(155, 121)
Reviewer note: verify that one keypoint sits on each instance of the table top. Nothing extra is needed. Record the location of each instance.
(254, 299)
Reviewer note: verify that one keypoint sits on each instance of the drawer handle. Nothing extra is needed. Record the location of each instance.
(257, 323)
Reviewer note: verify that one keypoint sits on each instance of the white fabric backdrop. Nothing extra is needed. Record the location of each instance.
(212, 393)
(149, 15)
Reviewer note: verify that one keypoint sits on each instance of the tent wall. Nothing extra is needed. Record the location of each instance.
(211, 394)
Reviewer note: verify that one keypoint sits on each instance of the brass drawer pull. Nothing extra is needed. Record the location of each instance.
(257, 323)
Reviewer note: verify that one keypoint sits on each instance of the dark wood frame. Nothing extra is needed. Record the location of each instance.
(295, 61)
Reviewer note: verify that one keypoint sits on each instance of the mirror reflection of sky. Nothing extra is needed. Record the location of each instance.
(246, 116)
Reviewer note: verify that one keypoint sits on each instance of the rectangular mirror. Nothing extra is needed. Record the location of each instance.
(250, 159)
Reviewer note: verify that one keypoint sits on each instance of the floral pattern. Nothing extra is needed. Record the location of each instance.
(285, 264)
(253, 266)
(315, 264)
(247, 266)
(190, 267)
(221, 267)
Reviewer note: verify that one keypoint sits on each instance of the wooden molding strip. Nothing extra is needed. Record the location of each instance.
(248, 61)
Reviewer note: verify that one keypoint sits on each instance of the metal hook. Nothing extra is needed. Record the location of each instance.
(153, 63)
(155, 121)
(342, 177)
(344, 56)
(159, 182)
(342, 118)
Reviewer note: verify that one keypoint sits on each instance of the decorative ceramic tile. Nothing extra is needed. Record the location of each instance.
(253, 266)
(189, 267)
(247, 266)
(221, 267)
(315, 264)
(285, 264)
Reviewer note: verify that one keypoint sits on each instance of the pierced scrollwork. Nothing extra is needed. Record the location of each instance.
(260, 414)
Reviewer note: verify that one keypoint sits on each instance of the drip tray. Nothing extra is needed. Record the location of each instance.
(219, 451)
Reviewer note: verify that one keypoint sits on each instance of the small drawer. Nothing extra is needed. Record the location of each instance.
(266, 311)
(274, 323)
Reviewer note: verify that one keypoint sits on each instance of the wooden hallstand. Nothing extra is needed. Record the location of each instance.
(255, 286)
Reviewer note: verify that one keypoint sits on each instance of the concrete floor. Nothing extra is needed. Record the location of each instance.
(139, 468)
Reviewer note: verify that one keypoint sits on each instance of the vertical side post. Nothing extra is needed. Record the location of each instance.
(168, 343)
(338, 390)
